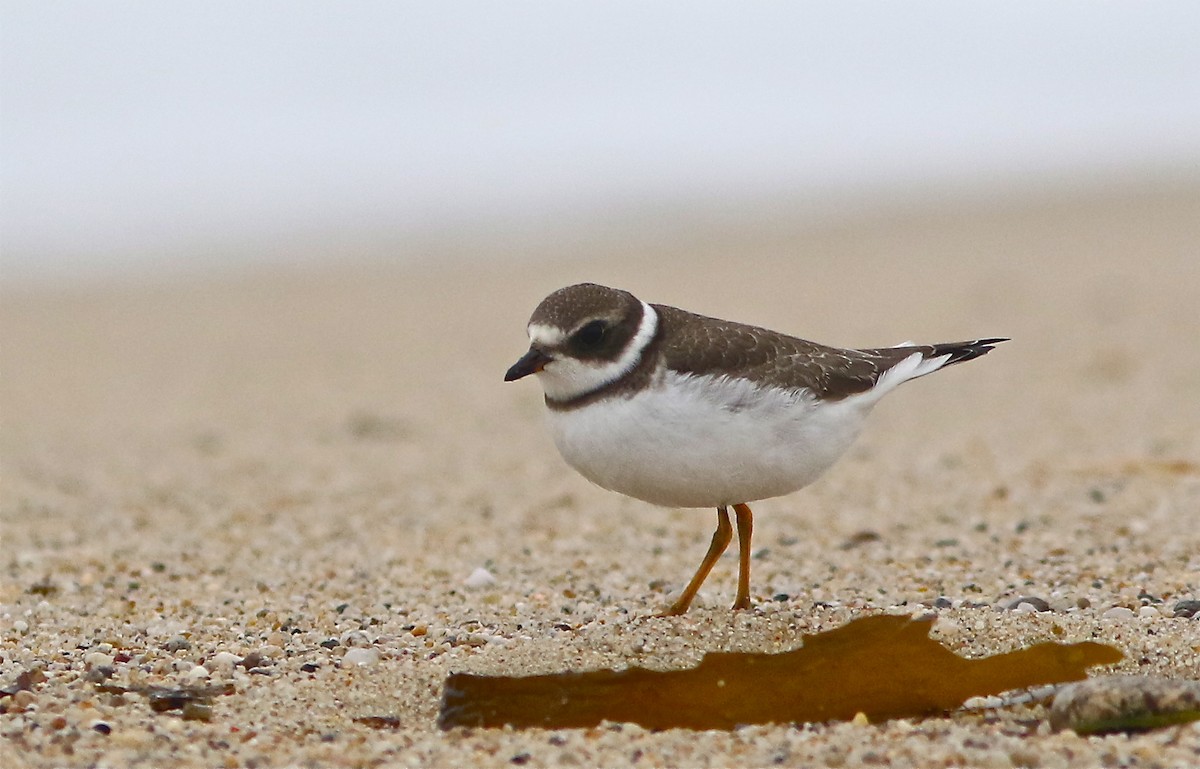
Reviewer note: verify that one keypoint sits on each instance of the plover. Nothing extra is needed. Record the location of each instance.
(682, 410)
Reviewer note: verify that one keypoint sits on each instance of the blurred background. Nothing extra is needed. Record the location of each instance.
(143, 138)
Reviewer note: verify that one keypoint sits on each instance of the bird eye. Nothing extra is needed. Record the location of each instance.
(591, 335)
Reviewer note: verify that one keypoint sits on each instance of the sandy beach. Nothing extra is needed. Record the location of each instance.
(282, 479)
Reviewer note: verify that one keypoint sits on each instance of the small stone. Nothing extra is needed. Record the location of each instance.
(986, 702)
(1028, 604)
(1062, 603)
(98, 660)
(177, 644)
(356, 638)
(359, 657)
(23, 699)
(222, 661)
(479, 578)
(196, 674)
(1125, 704)
(196, 711)
(1187, 609)
(100, 674)
(162, 699)
(254, 660)
(1118, 612)
(1149, 611)
(861, 538)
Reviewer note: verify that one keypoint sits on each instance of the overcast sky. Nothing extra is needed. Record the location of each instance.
(145, 128)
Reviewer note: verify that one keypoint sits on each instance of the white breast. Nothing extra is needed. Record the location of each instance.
(698, 441)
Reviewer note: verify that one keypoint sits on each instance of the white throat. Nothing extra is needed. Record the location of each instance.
(565, 377)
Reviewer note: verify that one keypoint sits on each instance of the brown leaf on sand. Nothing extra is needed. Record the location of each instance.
(882, 666)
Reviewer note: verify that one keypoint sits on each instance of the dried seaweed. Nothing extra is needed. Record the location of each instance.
(881, 666)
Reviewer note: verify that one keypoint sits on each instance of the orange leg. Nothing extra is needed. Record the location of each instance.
(745, 529)
(720, 540)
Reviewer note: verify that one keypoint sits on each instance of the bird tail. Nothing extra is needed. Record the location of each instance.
(917, 360)
(960, 351)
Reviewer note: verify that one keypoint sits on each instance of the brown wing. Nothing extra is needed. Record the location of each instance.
(703, 345)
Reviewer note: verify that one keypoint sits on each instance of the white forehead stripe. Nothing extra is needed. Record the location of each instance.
(547, 336)
(566, 377)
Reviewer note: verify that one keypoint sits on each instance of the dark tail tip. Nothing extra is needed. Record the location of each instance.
(964, 351)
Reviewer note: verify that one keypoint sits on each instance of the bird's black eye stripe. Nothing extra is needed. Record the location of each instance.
(591, 335)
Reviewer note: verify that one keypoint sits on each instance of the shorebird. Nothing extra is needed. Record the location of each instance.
(683, 410)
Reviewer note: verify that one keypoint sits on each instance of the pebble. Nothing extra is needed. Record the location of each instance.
(1062, 604)
(99, 673)
(1125, 703)
(355, 638)
(197, 673)
(224, 661)
(98, 660)
(178, 644)
(1187, 609)
(1029, 604)
(196, 711)
(360, 657)
(24, 699)
(985, 702)
(1118, 612)
(254, 660)
(479, 578)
